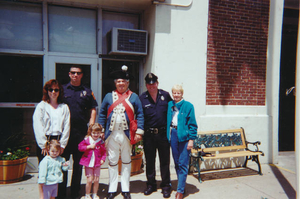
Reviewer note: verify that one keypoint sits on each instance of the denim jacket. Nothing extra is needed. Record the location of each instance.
(187, 125)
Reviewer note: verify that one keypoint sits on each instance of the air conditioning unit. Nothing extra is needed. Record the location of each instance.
(127, 41)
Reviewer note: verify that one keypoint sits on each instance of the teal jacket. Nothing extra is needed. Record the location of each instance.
(50, 170)
(187, 125)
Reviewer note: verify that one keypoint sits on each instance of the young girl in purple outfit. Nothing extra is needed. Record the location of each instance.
(94, 156)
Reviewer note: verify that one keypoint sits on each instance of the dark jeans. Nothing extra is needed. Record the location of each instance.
(181, 159)
(152, 143)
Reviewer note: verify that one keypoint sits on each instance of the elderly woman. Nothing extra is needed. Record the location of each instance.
(181, 131)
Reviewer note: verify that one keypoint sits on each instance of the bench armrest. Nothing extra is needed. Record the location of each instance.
(254, 144)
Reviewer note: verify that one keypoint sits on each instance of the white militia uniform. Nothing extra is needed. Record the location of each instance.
(119, 144)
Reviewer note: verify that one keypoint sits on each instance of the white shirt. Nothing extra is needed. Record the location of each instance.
(175, 116)
(118, 118)
(92, 141)
(50, 121)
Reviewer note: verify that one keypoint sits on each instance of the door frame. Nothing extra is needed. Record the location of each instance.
(50, 72)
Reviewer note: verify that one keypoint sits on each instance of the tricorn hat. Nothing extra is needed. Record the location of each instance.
(151, 78)
(121, 74)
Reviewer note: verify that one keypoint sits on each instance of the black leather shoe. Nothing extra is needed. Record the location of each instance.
(166, 193)
(126, 195)
(111, 195)
(149, 190)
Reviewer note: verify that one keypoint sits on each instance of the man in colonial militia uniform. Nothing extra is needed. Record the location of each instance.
(155, 105)
(116, 113)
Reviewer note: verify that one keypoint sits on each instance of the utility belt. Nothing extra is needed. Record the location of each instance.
(156, 130)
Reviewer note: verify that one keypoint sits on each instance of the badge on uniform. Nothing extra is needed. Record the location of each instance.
(83, 94)
(162, 98)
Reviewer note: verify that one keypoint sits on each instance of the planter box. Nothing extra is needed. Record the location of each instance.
(12, 170)
(136, 164)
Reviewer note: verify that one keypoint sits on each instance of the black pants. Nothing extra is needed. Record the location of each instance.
(72, 148)
(152, 143)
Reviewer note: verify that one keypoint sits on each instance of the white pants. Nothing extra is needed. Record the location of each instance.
(118, 142)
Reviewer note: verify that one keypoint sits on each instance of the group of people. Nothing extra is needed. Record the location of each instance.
(65, 123)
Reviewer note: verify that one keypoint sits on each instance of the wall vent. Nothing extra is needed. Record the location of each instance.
(127, 41)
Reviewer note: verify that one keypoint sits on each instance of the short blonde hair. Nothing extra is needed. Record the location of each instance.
(177, 87)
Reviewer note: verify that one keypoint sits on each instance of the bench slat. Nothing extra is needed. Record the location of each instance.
(231, 154)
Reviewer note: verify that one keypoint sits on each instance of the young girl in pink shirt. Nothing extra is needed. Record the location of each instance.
(94, 156)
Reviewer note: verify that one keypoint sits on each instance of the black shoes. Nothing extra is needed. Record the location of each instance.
(126, 195)
(111, 195)
(149, 190)
(166, 192)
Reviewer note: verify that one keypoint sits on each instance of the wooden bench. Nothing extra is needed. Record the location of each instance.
(223, 144)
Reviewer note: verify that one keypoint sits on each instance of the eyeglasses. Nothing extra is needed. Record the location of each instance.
(73, 73)
(51, 90)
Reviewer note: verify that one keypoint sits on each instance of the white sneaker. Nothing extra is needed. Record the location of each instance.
(96, 197)
(88, 197)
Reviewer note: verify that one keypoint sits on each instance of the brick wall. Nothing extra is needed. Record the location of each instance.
(236, 55)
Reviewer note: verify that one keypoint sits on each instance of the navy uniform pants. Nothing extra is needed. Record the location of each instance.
(153, 143)
(72, 148)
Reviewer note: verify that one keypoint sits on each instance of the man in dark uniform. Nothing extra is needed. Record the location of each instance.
(82, 105)
(155, 105)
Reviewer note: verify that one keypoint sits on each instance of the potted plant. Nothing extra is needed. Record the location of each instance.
(14, 152)
(136, 159)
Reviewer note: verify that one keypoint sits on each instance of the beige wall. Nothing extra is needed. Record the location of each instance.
(177, 54)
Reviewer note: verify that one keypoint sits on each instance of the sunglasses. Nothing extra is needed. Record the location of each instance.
(73, 73)
(51, 90)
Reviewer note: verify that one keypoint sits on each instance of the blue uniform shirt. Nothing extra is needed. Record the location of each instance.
(155, 114)
(80, 100)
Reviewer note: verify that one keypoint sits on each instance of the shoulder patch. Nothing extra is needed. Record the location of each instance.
(93, 95)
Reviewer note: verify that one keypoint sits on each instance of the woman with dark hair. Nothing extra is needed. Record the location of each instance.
(51, 120)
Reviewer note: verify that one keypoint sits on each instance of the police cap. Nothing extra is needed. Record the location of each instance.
(151, 78)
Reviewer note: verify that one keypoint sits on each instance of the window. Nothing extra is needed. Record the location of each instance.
(21, 26)
(21, 78)
(119, 20)
(72, 30)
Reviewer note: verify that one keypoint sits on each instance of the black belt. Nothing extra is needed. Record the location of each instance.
(53, 137)
(174, 127)
(156, 130)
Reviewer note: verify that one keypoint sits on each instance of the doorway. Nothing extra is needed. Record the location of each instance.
(109, 66)
(287, 80)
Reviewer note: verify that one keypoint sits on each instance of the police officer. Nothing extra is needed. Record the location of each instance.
(155, 105)
(82, 104)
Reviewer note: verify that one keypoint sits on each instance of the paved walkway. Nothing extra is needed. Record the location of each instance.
(277, 182)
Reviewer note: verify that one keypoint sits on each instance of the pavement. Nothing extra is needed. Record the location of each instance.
(277, 182)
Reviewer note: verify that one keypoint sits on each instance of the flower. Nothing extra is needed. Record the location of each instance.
(14, 147)
(137, 148)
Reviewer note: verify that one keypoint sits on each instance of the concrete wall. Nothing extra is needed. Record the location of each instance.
(178, 47)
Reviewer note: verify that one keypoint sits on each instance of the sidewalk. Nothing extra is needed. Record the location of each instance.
(277, 182)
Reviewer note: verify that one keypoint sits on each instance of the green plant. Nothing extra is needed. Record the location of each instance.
(137, 148)
(14, 147)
